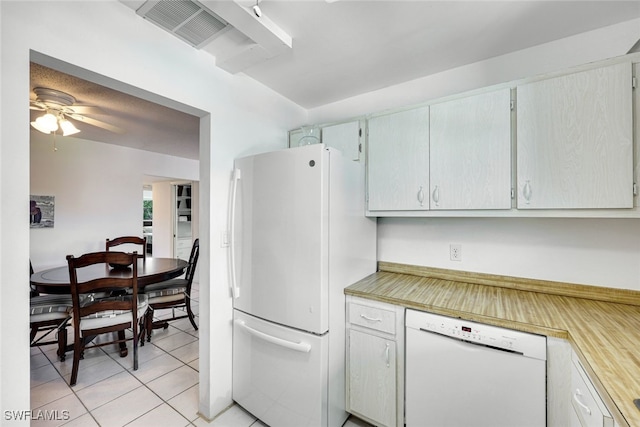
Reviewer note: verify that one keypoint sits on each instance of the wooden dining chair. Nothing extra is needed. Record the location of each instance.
(96, 316)
(173, 294)
(128, 240)
(48, 314)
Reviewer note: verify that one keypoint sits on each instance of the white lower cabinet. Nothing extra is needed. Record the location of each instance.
(375, 362)
(588, 408)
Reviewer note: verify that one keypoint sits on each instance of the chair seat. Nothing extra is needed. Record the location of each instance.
(113, 317)
(167, 291)
(168, 287)
(49, 307)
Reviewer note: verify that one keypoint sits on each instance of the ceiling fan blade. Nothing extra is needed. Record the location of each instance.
(97, 123)
(85, 109)
(35, 105)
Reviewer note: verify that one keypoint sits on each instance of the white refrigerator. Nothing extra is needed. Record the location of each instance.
(299, 236)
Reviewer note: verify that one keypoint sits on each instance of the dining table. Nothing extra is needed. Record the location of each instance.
(150, 270)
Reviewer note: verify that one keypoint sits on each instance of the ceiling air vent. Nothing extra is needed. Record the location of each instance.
(187, 20)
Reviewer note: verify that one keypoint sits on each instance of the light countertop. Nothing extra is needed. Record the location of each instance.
(602, 324)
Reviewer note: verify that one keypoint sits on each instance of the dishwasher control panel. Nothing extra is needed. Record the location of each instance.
(478, 333)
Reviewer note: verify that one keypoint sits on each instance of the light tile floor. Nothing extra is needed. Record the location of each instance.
(109, 393)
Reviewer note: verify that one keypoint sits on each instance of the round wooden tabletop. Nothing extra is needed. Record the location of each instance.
(151, 270)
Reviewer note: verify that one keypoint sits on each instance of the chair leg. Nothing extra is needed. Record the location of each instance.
(123, 344)
(135, 348)
(191, 316)
(33, 333)
(77, 352)
(149, 323)
(62, 343)
(142, 328)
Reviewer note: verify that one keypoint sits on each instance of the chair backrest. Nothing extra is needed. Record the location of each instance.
(193, 260)
(132, 240)
(32, 290)
(105, 283)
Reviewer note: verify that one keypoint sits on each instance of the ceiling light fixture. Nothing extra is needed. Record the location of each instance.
(67, 127)
(256, 10)
(49, 123)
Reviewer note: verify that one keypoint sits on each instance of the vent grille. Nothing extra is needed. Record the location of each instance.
(187, 20)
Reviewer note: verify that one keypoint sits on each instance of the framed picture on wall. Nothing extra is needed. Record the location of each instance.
(41, 211)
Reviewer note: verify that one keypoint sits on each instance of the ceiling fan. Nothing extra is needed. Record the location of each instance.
(58, 107)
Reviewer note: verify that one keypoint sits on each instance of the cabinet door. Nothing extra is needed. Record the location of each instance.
(372, 377)
(398, 161)
(470, 152)
(574, 140)
(345, 137)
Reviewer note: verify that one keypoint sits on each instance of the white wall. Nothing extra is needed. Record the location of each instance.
(98, 193)
(107, 38)
(603, 252)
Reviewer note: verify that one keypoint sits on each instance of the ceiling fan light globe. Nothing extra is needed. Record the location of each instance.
(46, 124)
(50, 120)
(68, 128)
(40, 127)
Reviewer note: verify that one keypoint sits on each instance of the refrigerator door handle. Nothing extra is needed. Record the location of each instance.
(235, 291)
(301, 346)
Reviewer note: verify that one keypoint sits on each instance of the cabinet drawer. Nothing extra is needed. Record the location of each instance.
(586, 401)
(373, 317)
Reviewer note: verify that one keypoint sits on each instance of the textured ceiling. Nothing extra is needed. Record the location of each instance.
(146, 125)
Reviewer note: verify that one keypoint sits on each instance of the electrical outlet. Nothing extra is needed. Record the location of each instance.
(455, 252)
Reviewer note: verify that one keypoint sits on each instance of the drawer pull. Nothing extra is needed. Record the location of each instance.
(576, 398)
(370, 319)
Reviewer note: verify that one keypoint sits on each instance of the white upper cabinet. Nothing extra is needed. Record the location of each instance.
(574, 140)
(470, 152)
(345, 137)
(398, 161)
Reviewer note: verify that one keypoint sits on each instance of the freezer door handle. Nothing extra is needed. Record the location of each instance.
(301, 346)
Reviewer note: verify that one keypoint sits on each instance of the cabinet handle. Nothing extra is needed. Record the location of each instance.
(576, 398)
(526, 191)
(436, 195)
(421, 196)
(386, 352)
(370, 319)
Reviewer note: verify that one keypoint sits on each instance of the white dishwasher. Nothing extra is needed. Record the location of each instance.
(467, 374)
